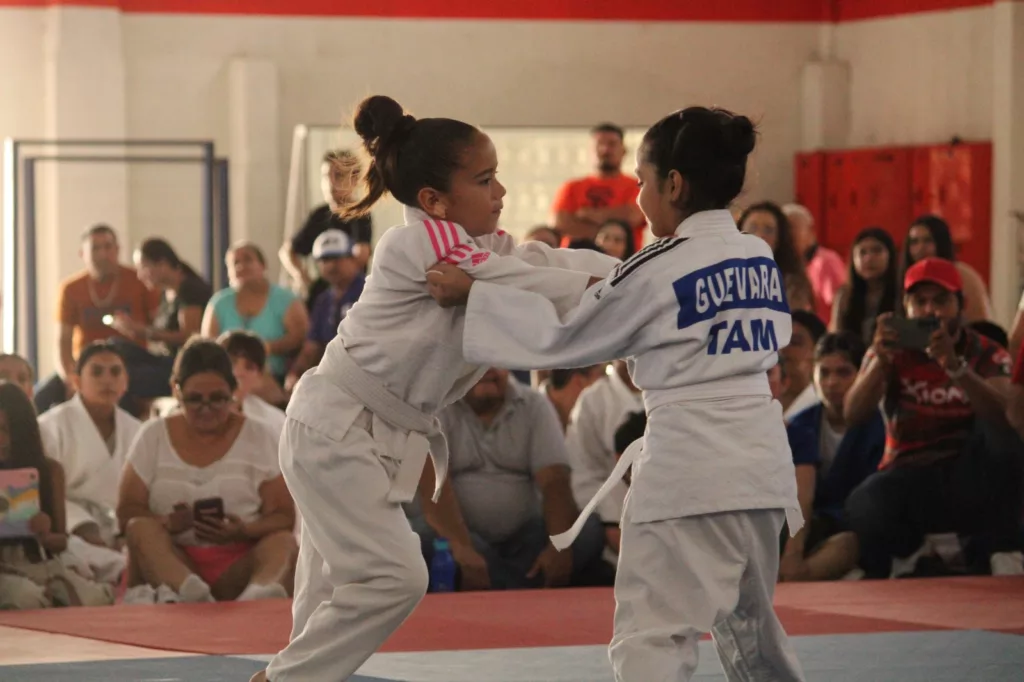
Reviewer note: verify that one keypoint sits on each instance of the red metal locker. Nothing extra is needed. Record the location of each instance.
(955, 183)
(838, 196)
(885, 190)
(809, 183)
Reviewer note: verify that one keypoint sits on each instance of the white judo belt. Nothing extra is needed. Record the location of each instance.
(423, 431)
(564, 540)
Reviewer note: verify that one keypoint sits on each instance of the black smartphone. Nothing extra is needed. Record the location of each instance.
(914, 334)
(211, 507)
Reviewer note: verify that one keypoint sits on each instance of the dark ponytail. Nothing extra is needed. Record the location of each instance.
(156, 250)
(708, 147)
(406, 154)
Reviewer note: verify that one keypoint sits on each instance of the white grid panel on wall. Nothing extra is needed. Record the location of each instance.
(533, 162)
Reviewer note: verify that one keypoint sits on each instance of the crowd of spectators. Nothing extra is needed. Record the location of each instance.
(155, 441)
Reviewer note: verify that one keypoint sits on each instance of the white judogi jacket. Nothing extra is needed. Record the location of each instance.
(91, 472)
(590, 440)
(398, 335)
(257, 408)
(702, 315)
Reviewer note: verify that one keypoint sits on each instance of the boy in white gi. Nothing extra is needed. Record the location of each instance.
(360, 425)
(89, 436)
(702, 313)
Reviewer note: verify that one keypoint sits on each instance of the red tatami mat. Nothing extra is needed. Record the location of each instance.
(543, 618)
(980, 603)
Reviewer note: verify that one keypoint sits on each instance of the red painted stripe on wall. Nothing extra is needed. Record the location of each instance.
(753, 11)
(611, 10)
(856, 10)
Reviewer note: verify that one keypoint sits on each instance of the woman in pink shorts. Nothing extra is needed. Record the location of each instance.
(202, 502)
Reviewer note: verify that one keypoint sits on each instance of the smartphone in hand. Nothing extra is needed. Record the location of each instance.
(914, 334)
(209, 508)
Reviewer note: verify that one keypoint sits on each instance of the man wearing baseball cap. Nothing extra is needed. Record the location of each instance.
(333, 253)
(951, 462)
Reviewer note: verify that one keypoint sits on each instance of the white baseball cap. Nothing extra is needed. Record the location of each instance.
(332, 244)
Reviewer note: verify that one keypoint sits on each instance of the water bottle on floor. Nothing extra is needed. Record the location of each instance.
(442, 568)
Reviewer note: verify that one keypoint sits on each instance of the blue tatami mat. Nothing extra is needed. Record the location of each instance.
(941, 656)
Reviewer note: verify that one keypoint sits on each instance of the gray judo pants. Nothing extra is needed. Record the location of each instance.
(681, 578)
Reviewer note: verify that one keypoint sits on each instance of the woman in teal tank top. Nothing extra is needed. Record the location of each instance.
(253, 304)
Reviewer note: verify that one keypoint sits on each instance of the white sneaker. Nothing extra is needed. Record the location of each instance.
(194, 591)
(165, 595)
(854, 574)
(140, 594)
(271, 591)
(1007, 563)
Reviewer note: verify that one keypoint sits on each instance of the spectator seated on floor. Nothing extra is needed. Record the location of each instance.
(89, 436)
(183, 296)
(510, 477)
(87, 305)
(16, 370)
(951, 464)
(252, 303)
(929, 237)
(34, 571)
(204, 507)
(798, 356)
(248, 356)
(616, 238)
(590, 441)
(344, 276)
(767, 221)
(564, 386)
(831, 460)
(825, 268)
(873, 285)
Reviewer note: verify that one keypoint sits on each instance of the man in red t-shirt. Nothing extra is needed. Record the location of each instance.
(583, 205)
(951, 463)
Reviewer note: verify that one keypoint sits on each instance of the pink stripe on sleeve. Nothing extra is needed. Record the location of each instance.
(433, 239)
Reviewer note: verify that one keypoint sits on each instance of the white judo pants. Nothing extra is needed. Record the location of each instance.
(360, 571)
(682, 578)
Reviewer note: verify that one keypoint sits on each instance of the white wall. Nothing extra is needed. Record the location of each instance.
(245, 82)
(21, 83)
(919, 79)
(491, 73)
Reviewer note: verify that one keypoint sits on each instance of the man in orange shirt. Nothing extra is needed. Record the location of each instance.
(583, 205)
(86, 305)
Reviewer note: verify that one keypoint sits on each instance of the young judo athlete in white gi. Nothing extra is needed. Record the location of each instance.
(701, 314)
(360, 425)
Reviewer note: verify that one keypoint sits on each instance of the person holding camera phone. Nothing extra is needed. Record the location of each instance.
(951, 462)
(204, 508)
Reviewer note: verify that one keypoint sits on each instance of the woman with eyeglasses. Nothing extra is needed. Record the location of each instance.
(203, 505)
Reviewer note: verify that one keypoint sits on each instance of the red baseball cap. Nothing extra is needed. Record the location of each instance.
(935, 270)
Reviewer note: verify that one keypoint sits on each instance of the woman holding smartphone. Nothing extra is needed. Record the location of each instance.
(203, 504)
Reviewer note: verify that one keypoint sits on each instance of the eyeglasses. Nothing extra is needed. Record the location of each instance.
(216, 401)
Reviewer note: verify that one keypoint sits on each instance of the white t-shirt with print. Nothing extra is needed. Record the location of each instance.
(235, 478)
